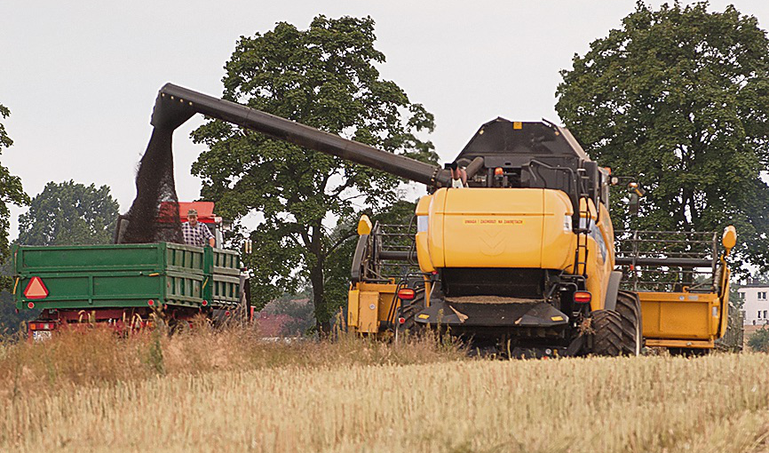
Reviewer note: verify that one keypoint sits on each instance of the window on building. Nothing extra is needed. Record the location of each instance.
(764, 314)
(759, 314)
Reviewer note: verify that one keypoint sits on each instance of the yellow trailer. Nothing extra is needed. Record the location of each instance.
(682, 283)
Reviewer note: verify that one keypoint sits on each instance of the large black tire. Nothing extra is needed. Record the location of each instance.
(607, 333)
(629, 309)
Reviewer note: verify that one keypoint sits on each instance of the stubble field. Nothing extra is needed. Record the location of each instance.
(225, 391)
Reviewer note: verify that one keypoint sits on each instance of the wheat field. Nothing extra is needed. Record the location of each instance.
(359, 396)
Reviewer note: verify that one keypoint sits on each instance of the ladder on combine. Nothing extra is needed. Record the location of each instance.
(584, 226)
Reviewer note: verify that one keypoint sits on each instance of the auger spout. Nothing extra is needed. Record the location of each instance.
(175, 105)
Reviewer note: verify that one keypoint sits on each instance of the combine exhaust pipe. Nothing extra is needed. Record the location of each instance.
(175, 105)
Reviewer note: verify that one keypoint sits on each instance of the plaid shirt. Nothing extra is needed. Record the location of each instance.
(197, 235)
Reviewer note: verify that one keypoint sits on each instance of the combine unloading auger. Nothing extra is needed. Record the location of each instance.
(175, 105)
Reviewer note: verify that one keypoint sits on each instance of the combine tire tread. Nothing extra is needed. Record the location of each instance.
(629, 309)
(607, 336)
(409, 312)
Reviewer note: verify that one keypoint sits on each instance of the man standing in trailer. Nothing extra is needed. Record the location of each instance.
(196, 233)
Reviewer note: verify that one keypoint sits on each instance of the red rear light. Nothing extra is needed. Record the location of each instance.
(31, 305)
(406, 294)
(205, 302)
(150, 302)
(582, 297)
(401, 320)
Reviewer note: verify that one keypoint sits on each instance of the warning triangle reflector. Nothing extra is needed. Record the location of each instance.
(36, 289)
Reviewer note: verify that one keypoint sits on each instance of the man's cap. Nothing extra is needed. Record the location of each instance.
(192, 212)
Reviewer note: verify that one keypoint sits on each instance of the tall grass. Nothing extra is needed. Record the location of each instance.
(219, 392)
(98, 356)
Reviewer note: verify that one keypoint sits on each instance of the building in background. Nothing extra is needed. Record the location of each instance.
(755, 307)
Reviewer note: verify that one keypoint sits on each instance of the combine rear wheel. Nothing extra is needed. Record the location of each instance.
(629, 309)
(607, 333)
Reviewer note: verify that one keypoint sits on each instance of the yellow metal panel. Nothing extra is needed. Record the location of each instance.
(386, 301)
(368, 319)
(723, 305)
(607, 229)
(353, 297)
(435, 227)
(484, 201)
(423, 252)
(682, 316)
(694, 344)
(378, 295)
(492, 228)
(423, 207)
(558, 240)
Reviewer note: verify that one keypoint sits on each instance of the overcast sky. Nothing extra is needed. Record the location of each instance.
(80, 77)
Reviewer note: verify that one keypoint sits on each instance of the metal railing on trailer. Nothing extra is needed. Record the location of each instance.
(668, 261)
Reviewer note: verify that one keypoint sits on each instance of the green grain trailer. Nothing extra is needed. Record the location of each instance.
(122, 284)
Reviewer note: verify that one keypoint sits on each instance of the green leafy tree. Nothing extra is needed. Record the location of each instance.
(324, 77)
(69, 213)
(679, 97)
(759, 341)
(11, 193)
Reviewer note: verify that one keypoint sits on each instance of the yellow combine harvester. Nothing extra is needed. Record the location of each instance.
(513, 247)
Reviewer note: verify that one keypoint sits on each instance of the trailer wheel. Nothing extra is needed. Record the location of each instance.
(629, 309)
(607, 333)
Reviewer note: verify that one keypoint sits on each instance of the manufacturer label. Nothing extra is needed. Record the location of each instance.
(493, 222)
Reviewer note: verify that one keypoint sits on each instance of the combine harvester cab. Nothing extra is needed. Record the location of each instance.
(682, 282)
(122, 285)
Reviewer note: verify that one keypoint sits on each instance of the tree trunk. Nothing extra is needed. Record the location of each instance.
(319, 302)
(322, 322)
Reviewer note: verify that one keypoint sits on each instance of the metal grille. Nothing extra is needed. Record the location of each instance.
(668, 261)
(396, 250)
